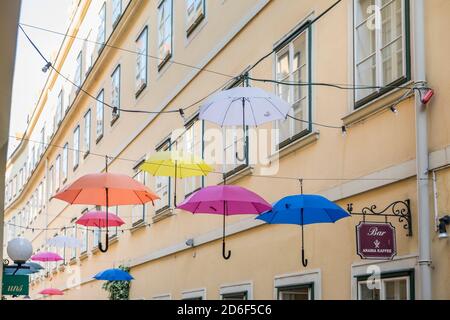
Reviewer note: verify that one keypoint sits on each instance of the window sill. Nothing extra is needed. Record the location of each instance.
(99, 138)
(86, 154)
(113, 239)
(195, 24)
(163, 214)
(137, 226)
(114, 120)
(374, 106)
(191, 193)
(301, 142)
(95, 250)
(238, 173)
(164, 62)
(72, 261)
(140, 90)
(75, 168)
(83, 255)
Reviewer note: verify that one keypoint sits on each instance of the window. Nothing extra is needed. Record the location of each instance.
(138, 211)
(97, 237)
(116, 11)
(381, 46)
(235, 153)
(84, 239)
(164, 32)
(193, 145)
(100, 114)
(301, 292)
(42, 146)
(51, 178)
(72, 232)
(389, 287)
(78, 70)
(57, 172)
(76, 147)
(113, 230)
(162, 184)
(195, 12)
(20, 179)
(101, 34)
(141, 61)
(59, 109)
(293, 65)
(40, 194)
(115, 94)
(89, 51)
(235, 296)
(14, 185)
(87, 132)
(65, 162)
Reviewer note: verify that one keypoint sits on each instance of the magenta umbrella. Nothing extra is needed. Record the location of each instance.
(225, 200)
(99, 219)
(46, 257)
(51, 292)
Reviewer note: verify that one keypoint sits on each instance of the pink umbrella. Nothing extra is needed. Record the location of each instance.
(46, 257)
(51, 292)
(225, 200)
(98, 219)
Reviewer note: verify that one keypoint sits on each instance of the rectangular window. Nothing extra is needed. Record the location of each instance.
(195, 12)
(76, 147)
(141, 61)
(43, 145)
(381, 46)
(138, 211)
(57, 173)
(193, 145)
(96, 237)
(78, 70)
(293, 65)
(387, 288)
(65, 162)
(20, 178)
(113, 230)
(84, 239)
(87, 132)
(100, 115)
(115, 94)
(164, 32)
(51, 178)
(72, 232)
(14, 186)
(301, 292)
(235, 296)
(116, 11)
(41, 201)
(59, 109)
(101, 32)
(162, 185)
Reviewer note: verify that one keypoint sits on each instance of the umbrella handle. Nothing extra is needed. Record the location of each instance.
(100, 246)
(304, 261)
(227, 255)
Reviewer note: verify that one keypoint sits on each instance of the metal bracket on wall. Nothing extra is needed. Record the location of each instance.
(398, 209)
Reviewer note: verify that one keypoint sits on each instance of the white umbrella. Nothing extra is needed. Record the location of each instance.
(246, 106)
(64, 241)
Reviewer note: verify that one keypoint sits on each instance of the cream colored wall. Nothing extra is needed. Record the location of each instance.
(377, 143)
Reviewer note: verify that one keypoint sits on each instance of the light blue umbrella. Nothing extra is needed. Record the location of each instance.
(113, 275)
(303, 209)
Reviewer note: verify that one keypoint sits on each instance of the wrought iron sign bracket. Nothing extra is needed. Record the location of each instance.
(398, 209)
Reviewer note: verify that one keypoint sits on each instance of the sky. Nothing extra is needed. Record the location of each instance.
(28, 76)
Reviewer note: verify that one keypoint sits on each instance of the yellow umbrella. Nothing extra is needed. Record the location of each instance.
(175, 164)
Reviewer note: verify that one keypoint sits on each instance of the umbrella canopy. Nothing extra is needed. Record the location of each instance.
(62, 241)
(34, 265)
(46, 257)
(175, 164)
(302, 210)
(24, 269)
(243, 106)
(51, 292)
(106, 189)
(98, 219)
(103, 189)
(113, 275)
(225, 200)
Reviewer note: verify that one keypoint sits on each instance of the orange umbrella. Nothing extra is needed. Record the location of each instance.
(106, 189)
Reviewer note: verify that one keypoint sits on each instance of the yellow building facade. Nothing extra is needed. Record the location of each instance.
(159, 56)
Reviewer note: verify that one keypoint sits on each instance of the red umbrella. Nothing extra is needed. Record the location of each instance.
(51, 292)
(98, 219)
(106, 189)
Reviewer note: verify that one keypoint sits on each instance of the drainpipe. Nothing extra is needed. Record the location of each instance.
(422, 165)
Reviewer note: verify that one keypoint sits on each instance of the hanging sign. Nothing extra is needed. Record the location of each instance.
(15, 285)
(376, 241)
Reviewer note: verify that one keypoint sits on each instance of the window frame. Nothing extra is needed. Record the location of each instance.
(390, 276)
(309, 286)
(78, 76)
(188, 126)
(117, 72)
(406, 29)
(192, 24)
(162, 147)
(102, 25)
(65, 162)
(116, 19)
(102, 104)
(76, 147)
(138, 222)
(87, 132)
(142, 86)
(306, 28)
(166, 58)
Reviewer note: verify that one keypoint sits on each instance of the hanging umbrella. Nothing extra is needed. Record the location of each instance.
(301, 210)
(225, 200)
(98, 219)
(24, 269)
(113, 275)
(34, 265)
(175, 164)
(246, 106)
(46, 257)
(62, 241)
(106, 189)
(51, 292)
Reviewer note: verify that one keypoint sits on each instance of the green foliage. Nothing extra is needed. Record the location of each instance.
(118, 290)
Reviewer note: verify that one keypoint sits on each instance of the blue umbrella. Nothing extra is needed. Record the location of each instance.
(113, 275)
(303, 209)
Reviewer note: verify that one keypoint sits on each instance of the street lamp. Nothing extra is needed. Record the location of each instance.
(19, 250)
